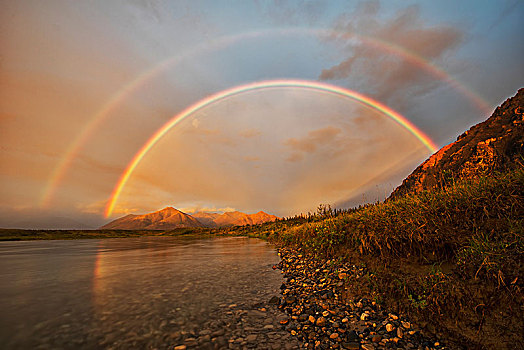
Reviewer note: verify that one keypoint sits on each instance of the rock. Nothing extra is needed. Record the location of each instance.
(342, 275)
(351, 345)
(218, 333)
(251, 338)
(399, 332)
(493, 145)
(389, 327)
(321, 321)
(364, 316)
(353, 336)
(406, 325)
(274, 300)
(333, 336)
(368, 347)
(311, 319)
(376, 338)
(204, 338)
(180, 347)
(290, 300)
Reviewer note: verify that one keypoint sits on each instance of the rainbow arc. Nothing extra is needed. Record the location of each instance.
(268, 84)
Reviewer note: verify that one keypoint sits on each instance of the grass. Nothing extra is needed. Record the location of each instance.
(451, 258)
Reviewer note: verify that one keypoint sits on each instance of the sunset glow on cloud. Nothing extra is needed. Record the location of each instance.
(119, 107)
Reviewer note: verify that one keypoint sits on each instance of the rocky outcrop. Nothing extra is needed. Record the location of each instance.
(496, 144)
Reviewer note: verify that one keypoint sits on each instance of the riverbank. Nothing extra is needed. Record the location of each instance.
(323, 316)
(450, 260)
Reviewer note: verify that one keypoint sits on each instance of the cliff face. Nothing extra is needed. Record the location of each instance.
(493, 145)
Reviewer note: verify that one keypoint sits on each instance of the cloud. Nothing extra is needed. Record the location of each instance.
(389, 76)
(293, 12)
(206, 209)
(310, 143)
(250, 133)
(251, 158)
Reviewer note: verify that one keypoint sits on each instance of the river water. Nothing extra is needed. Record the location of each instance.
(143, 293)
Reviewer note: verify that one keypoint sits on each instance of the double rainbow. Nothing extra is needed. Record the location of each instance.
(268, 84)
(134, 85)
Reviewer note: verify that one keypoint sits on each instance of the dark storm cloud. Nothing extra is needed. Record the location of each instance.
(390, 76)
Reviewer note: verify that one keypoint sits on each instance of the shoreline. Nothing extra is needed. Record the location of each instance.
(322, 315)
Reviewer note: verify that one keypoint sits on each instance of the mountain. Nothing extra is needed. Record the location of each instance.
(234, 218)
(494, 145)
(171, 218)
(207, 219)
(166, 219)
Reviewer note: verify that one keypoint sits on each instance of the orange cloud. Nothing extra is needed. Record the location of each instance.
(311, 142)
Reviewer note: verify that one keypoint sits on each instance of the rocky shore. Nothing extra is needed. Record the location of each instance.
(322, 316)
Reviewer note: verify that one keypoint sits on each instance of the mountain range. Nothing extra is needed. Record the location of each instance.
(170, 218)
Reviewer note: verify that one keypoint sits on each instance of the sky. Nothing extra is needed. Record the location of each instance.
(86, 85)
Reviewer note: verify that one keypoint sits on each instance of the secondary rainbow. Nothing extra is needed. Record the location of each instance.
(268, 84)
(134, 85)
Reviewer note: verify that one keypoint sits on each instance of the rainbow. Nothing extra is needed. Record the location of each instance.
(134, 85)
(268, 84)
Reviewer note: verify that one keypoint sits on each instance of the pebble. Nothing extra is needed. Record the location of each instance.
(320, 316)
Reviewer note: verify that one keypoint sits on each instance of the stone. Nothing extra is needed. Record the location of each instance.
(342, 275)
(389, 327)
(333, 336)
(351, 345)
(364, 316)
(321, 321)
(406, 325)
(251, 338)
(368, 347)
(274, 300)
(400, 334)
(180, 347)
(311, 319)
(376, 338)
(290, 300)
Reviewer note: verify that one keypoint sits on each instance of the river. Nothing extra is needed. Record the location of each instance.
(143, 293)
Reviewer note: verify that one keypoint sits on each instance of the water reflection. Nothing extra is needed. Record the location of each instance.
(125, 292)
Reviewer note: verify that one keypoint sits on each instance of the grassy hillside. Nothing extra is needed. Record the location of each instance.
(451, 258)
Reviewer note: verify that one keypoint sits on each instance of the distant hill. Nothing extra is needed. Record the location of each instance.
(166, 219)
(171, 218)
(207, 219)
(234, 218)
(496, 144)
